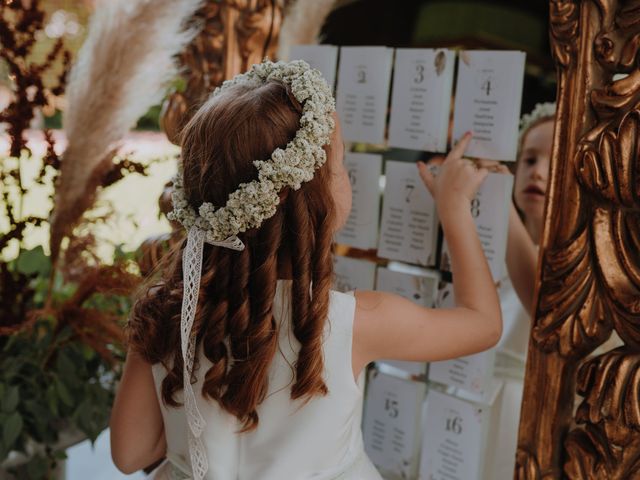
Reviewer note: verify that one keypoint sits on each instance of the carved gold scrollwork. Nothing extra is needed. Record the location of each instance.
(590, 269)
(608, 446)
(563, 29)
(235, 34)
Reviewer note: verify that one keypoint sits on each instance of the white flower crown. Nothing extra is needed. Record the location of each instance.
(540, 111)
(254, 202)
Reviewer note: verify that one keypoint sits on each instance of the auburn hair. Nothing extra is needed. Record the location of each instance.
(235, 325)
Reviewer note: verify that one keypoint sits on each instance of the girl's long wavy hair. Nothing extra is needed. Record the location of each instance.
(234, 322)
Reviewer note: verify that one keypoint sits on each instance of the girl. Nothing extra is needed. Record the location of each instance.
(529, 193)
(272, 358)
(516, 291)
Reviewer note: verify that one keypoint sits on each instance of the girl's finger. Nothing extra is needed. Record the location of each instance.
(459, 148)
(437, 160)
(426, 176)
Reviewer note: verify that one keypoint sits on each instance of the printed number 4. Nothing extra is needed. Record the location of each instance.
(486, 86)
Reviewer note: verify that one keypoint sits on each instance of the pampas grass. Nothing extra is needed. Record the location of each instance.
(302, 24)
(123, 68)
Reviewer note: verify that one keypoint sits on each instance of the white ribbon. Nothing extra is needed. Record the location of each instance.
(191, 274)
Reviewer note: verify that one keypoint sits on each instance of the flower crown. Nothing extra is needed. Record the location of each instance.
(254, 202)
(540, 111)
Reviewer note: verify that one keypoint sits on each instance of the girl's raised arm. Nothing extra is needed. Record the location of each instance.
(389, 326)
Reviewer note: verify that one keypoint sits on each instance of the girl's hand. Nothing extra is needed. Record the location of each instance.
(458, 180)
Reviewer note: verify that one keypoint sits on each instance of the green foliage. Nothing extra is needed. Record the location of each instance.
(49, 378)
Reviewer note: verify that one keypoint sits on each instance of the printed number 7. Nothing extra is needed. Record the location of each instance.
(409, 190)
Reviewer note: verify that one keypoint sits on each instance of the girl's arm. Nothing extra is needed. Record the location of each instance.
(389, 326)
(522, 260)
(137, 430)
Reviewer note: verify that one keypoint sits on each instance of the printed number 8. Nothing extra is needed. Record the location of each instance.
(475, 208)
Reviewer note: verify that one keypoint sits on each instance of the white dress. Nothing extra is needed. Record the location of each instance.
(319, 440)
(510, 366)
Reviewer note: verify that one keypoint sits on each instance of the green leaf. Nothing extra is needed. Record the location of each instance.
(34, 261)
(52, 400)
(10, 400)
(64, 394)
(11, 429)
(38, 467)
(65, 366)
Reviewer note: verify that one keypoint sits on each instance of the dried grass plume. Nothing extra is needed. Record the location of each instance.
(302, 24)
(123, 69)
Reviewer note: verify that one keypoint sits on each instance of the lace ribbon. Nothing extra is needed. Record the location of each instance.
(192, 271)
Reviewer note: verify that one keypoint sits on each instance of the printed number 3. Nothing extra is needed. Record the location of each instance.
(362, 76)
(419, 78)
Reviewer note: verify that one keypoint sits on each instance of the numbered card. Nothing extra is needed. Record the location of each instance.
(422, 84)
(408, 229)
(490, 211)
(391, 424)
(419, 287)
(322, 57)
(474, 373)
(454, 439)
(487, 103)
(352, 274)
(361, 229)
(364, 75)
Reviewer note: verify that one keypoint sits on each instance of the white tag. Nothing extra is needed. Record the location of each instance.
(361, 229)
(364, 75)
(351, 274)
(454, 439)
(322, 57)
(422, 84)
(490, 210)
(487, 103)
(391, 424)
(408, 227)
(473, 373)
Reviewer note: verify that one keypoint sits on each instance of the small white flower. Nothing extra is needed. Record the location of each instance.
(254, 202)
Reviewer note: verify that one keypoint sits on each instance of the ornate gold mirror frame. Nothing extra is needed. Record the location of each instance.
(589, 268)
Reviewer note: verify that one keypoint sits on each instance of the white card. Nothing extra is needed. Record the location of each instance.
(487, 103)
(408, 226)
(490, 211)
(362, 95)
(322, 57)
(361, 229)
(391, 424)
(352, 274)
(419, 288)
(473, 373)
(422, 84)
(454, 439)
